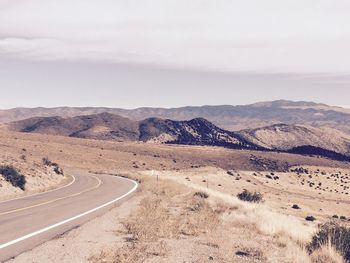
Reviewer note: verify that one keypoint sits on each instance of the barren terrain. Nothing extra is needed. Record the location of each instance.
(168, 222)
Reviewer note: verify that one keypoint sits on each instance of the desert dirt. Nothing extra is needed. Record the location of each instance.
(166, 222)
(39, 177)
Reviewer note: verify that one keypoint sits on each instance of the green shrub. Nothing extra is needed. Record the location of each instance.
(336, 235)
(12, 176)
(247, 196)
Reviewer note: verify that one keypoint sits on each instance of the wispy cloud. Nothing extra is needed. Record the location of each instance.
(227, 35)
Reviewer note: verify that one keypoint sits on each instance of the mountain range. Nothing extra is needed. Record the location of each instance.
(298, 139)
(232, 118)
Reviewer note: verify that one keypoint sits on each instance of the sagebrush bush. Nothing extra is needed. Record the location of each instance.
(201, 195)
(12, 176)
(48, 162)
(247, 196)
(332, 234)
(56, 168)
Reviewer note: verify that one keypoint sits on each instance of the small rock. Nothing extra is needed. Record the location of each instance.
(296, 207)
(310, 218)
(242, 254)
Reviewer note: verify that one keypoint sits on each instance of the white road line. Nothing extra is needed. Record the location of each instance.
(20, 239)
(41, 193)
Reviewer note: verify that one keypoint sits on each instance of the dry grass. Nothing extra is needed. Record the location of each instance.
(332, 235)
(327, 254)
(261, 216)
(173, 225)
(270, 222)
(162, 216)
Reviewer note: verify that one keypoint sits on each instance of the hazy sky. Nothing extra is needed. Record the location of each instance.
(173, 52)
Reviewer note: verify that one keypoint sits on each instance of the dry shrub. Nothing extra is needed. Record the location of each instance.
(152, 221)
(198, 218)
(12, 176)
(250, 197)
(131, 253)
(251, 253)
(203, 195)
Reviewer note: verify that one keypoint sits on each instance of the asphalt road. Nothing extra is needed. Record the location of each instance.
(29, 221)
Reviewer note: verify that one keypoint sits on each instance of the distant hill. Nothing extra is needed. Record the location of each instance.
(287, 103)
(198, 131)
(227, 117)
(286, 137)
(106, 126)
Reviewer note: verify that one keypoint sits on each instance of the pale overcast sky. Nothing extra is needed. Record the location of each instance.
(173, 52)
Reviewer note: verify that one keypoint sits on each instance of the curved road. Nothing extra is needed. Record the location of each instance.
(29, 221)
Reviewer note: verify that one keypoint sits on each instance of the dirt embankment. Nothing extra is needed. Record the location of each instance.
(33, 174)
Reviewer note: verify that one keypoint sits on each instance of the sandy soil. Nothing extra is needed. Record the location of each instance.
(279, 194)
